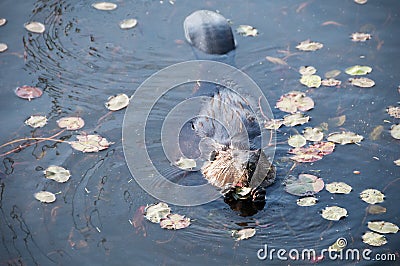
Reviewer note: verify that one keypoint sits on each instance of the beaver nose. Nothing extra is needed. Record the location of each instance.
(209, 32)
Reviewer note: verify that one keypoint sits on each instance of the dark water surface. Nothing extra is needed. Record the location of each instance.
(83, 58)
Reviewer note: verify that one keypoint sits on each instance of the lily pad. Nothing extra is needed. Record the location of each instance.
(71, 123)
(155, 212)
(304, 185)
(243, 233)
(35, 27)
(311, 81)
(175, 222)
(28, 92)
(105, 6)
(3, 21)
(294, 101)
(128, 23)
(383, 227)
(297, 141)
(247, 30)
(360, 37)
(57, 173)
(330, 82)
(374, 239)
(307, 70)
(295, 119)
(358, 70)
(376, 209)
(3, 47)
(334, 213)
(332, 74)
(90, 143)
(36, 121)
(45, 196)
(117, 102)
(338, 187)
(339, 245)
(361, 2)
(345, 137)
(273, 124)
(185, 163)
(393, 111)
(313, 134)
(308, 46)
(362, 82)
(307, 201)
(372, 196)
(395, 131)
(313, 152)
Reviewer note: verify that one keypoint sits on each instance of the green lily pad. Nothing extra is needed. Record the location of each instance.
(383, 227)
(307, 201)
(297, 141)
(345, 137)
(374, 239)
(358, 70)
(334, 213)
(311, 81)
(307, 70)
(313, 134)
(174, 222)
(304, 185)
(57, 173)
(338, 187)
(243, 233)
(372, 196)
(155, 212)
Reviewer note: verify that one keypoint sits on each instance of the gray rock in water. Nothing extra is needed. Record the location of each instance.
(209, 32)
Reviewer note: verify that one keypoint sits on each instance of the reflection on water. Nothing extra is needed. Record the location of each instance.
(83, 57)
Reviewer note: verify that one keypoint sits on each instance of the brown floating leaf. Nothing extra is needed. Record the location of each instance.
(294, 101)
(276, 60)
(395, 131)
(393, 111)
(175, 222)
(374, 239)
(362, 82)
(360, 37)
(247, 30)
(307, 201)
(383, 227)
(338, 187)
(57, 173)
(372, 196)
(313, 152)
(71, 123)
(243, 233)
(35, 27)
(295, 119)
(330, 82)
(307, 45)
(304, 185)
(45, 196)
(3, 47)
(334, 213)
(90, 143)
(307, 70)
(311, 81)
(36, 121)
(28, 92)
(376, 209)
(106, 6)
(345, 137)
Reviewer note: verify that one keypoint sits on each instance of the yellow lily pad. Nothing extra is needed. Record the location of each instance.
(273, 124)
(311, 81)
(334, 213)
(383, 227)
(307, 70)
(295, 119)
(374, 239)
(358, 70)
(372, 196)
(57, 173)
(243, 233)
(395, 131)
(155, 212)
(307, 201)
(297, 141)
(117, 102)
(36, 121)
(338, 187)
(45, 196)
(345, 137)
(313, 134)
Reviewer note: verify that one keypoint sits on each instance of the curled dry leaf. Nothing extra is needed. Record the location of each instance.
(330, 82)
(307, 70)
(117, 102)
(35, 27)
(383, 227)
(345, 137)
(304, 185)
(273, 124)
(247, 30)
(395, 131)
(3, 47)
(175, 222)
(374, 239)
(358, 70)
(360, 37)
(57, 173)
(155, 212)
(338, 187)
(243, 233)
(276, 60)
(36, 121)
(128, 23)
(294, 101)
(71, 123)
(362, 82)
(308, 46)
(311, 81)
(332, 74)
(334, 213)
(307, 201)
(313, 134)
(90, 143)
(185, 163)
(28, 92)
(393, 111)
(312, 153)
(295, 119)
(297, 141)
(45, 196)
(372, 196)
(376, 209)
(105, 6)
(3, 21)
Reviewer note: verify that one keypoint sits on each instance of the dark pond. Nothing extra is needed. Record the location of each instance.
(83, 58)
